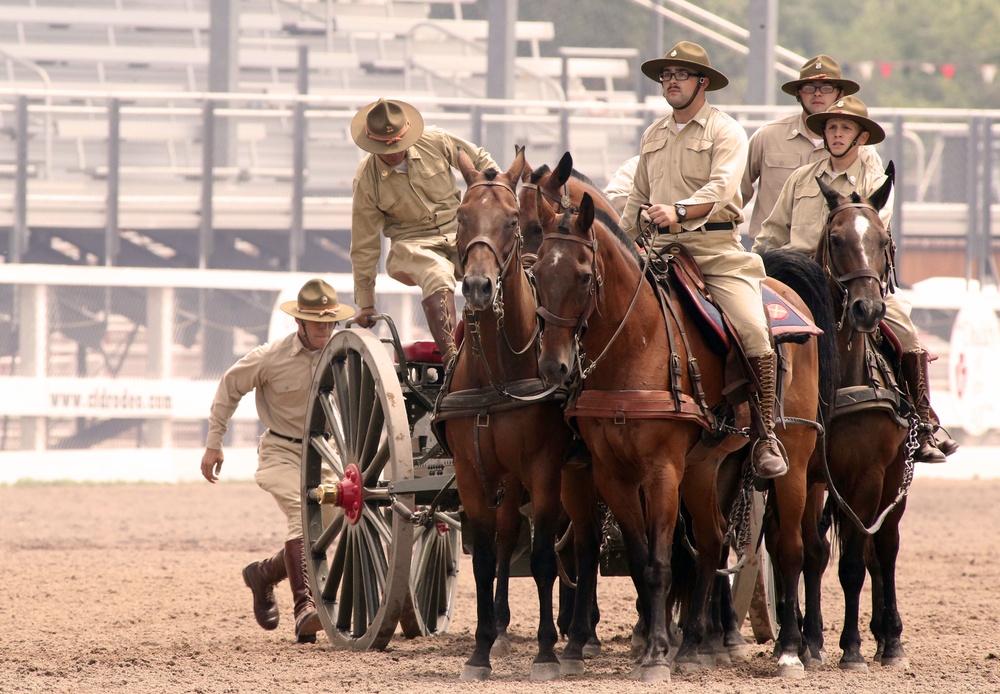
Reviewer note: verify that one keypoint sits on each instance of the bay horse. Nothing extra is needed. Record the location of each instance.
(651, 414)
(870, 437)
(504, 428)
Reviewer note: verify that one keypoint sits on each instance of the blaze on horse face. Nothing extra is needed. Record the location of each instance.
(856, 253)
(567, 277)
(488, 232)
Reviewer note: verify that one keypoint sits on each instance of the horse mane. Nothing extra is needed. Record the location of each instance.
(490, 174)
(805, 276)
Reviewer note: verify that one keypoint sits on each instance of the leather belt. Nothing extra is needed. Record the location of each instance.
(282, 436)
(717, 226)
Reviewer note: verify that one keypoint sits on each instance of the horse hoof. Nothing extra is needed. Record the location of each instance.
(720, 659)
(501, 648)
(593, 648)
(900, 663)
(738, 652)
(545, 672)
(791, 668)
(571, 666)
(475, 673)
(650, 673)
(690, 667)
(816, 660)
(852, 666)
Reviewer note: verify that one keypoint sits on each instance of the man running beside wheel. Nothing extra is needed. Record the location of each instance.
(280, 373)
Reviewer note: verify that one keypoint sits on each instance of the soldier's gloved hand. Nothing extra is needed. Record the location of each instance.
(365, 317)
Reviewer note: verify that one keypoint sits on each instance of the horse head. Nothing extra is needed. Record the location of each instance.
(568, 277)
(539, 188)
(856, 253)
(488, 234)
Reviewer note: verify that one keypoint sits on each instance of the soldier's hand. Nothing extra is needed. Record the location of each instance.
(211, 464)
(365, 317)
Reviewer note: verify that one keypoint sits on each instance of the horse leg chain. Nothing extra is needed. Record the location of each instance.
(738, 532)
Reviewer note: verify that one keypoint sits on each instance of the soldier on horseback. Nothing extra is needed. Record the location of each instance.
(798, 221)
(688, 181)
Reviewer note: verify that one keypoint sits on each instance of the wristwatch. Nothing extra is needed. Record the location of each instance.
(682, 213)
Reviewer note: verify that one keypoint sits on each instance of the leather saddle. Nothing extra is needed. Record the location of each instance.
(788, 324)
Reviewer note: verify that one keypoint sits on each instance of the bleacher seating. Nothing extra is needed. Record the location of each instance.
(357, 51)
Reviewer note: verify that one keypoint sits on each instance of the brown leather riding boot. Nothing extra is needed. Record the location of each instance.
(914, 368)
(766, 454)
(261, 577)
(439, 308)
(306, 617)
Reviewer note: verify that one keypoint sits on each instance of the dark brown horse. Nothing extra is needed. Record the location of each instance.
(647, 411)
(503, 426)
(868, 464)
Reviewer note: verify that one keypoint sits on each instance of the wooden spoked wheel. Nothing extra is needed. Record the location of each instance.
(357, 442)
(433, 577)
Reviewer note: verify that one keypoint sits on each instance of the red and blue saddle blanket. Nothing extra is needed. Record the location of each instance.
(788, 324)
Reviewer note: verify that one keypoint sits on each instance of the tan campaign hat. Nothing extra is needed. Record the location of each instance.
(317, 301)
(687, 55)
(822, 68)
(387, 127)
(851, 108)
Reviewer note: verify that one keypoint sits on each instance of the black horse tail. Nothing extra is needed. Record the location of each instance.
(805, 276)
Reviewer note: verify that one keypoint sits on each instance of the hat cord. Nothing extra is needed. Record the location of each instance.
(388, 141)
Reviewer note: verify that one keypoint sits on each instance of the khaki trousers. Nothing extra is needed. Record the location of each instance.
(279, 472)
(430, 263)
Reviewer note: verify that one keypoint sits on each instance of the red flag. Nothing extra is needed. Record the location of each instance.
(885, 69)
(948, 70)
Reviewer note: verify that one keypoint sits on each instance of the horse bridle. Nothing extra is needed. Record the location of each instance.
(504, 262)
(578, 324)
(843, 279)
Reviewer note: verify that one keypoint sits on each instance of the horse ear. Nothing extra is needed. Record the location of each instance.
(832, 196)
(466, 166)
(881, 196)
(515, 171)
(565, 168)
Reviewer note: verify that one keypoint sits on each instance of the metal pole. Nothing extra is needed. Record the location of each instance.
(763, 22)
(972, 199)
(296, 240)
(111, 239)
(19, 234)
(206, 240)
(986, 266)
(896, 153)
(501, 58)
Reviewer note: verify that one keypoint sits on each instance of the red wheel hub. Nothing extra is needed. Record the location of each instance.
(350, 494)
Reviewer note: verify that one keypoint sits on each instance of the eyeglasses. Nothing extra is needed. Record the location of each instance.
(812, 88)
(680, 75)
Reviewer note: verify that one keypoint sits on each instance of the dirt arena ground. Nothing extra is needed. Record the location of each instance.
(137, 588)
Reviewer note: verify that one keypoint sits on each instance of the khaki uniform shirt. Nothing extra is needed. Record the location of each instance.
(777, 149)
(281, 373)
(421, 202)
(800, 214)
(702, 163)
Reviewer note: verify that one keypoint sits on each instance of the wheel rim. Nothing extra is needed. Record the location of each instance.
(433, 579)
(358, 572)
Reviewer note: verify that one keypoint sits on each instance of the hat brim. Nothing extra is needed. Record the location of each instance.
(876, 134)
(848, 87)
(342, 312)
(413, 134)
(716, 80)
